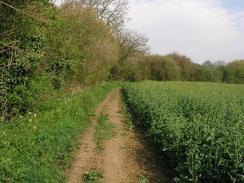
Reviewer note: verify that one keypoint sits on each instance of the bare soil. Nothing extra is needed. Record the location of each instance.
(126, 157)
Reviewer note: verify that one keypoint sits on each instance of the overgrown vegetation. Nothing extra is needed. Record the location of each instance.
(104, 131)
(46, 50)
(198, 127)
(67, 45)
(38, 147)
(79, 44)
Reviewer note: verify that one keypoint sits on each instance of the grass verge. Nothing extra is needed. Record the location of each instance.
(38, 147)
(127, 115)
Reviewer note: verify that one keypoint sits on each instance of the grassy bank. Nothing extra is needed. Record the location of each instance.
(38, 147)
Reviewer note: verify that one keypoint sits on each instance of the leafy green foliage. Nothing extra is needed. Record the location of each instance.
(80, 44)
(21, 45)
(38, 146)
(235, 72)
(176, 67)
(198, 127)
(80, 49)
(15, 78)
(68, 44)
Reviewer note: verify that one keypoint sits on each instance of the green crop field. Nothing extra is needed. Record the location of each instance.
(198, 127)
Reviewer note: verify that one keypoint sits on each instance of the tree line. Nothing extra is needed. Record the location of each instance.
(176, 67)
(44, 47)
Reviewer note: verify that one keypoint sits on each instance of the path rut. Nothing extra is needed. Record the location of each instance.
(126, 157)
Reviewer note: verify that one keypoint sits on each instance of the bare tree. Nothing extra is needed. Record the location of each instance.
(112, 12)
(131, 43)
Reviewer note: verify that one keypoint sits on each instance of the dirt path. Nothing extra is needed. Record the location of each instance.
(126, 157)
(85, 157)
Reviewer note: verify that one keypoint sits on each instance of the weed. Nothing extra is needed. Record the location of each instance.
(143, 179)
(92, 176)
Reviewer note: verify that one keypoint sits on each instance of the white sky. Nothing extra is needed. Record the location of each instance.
(200, 29)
